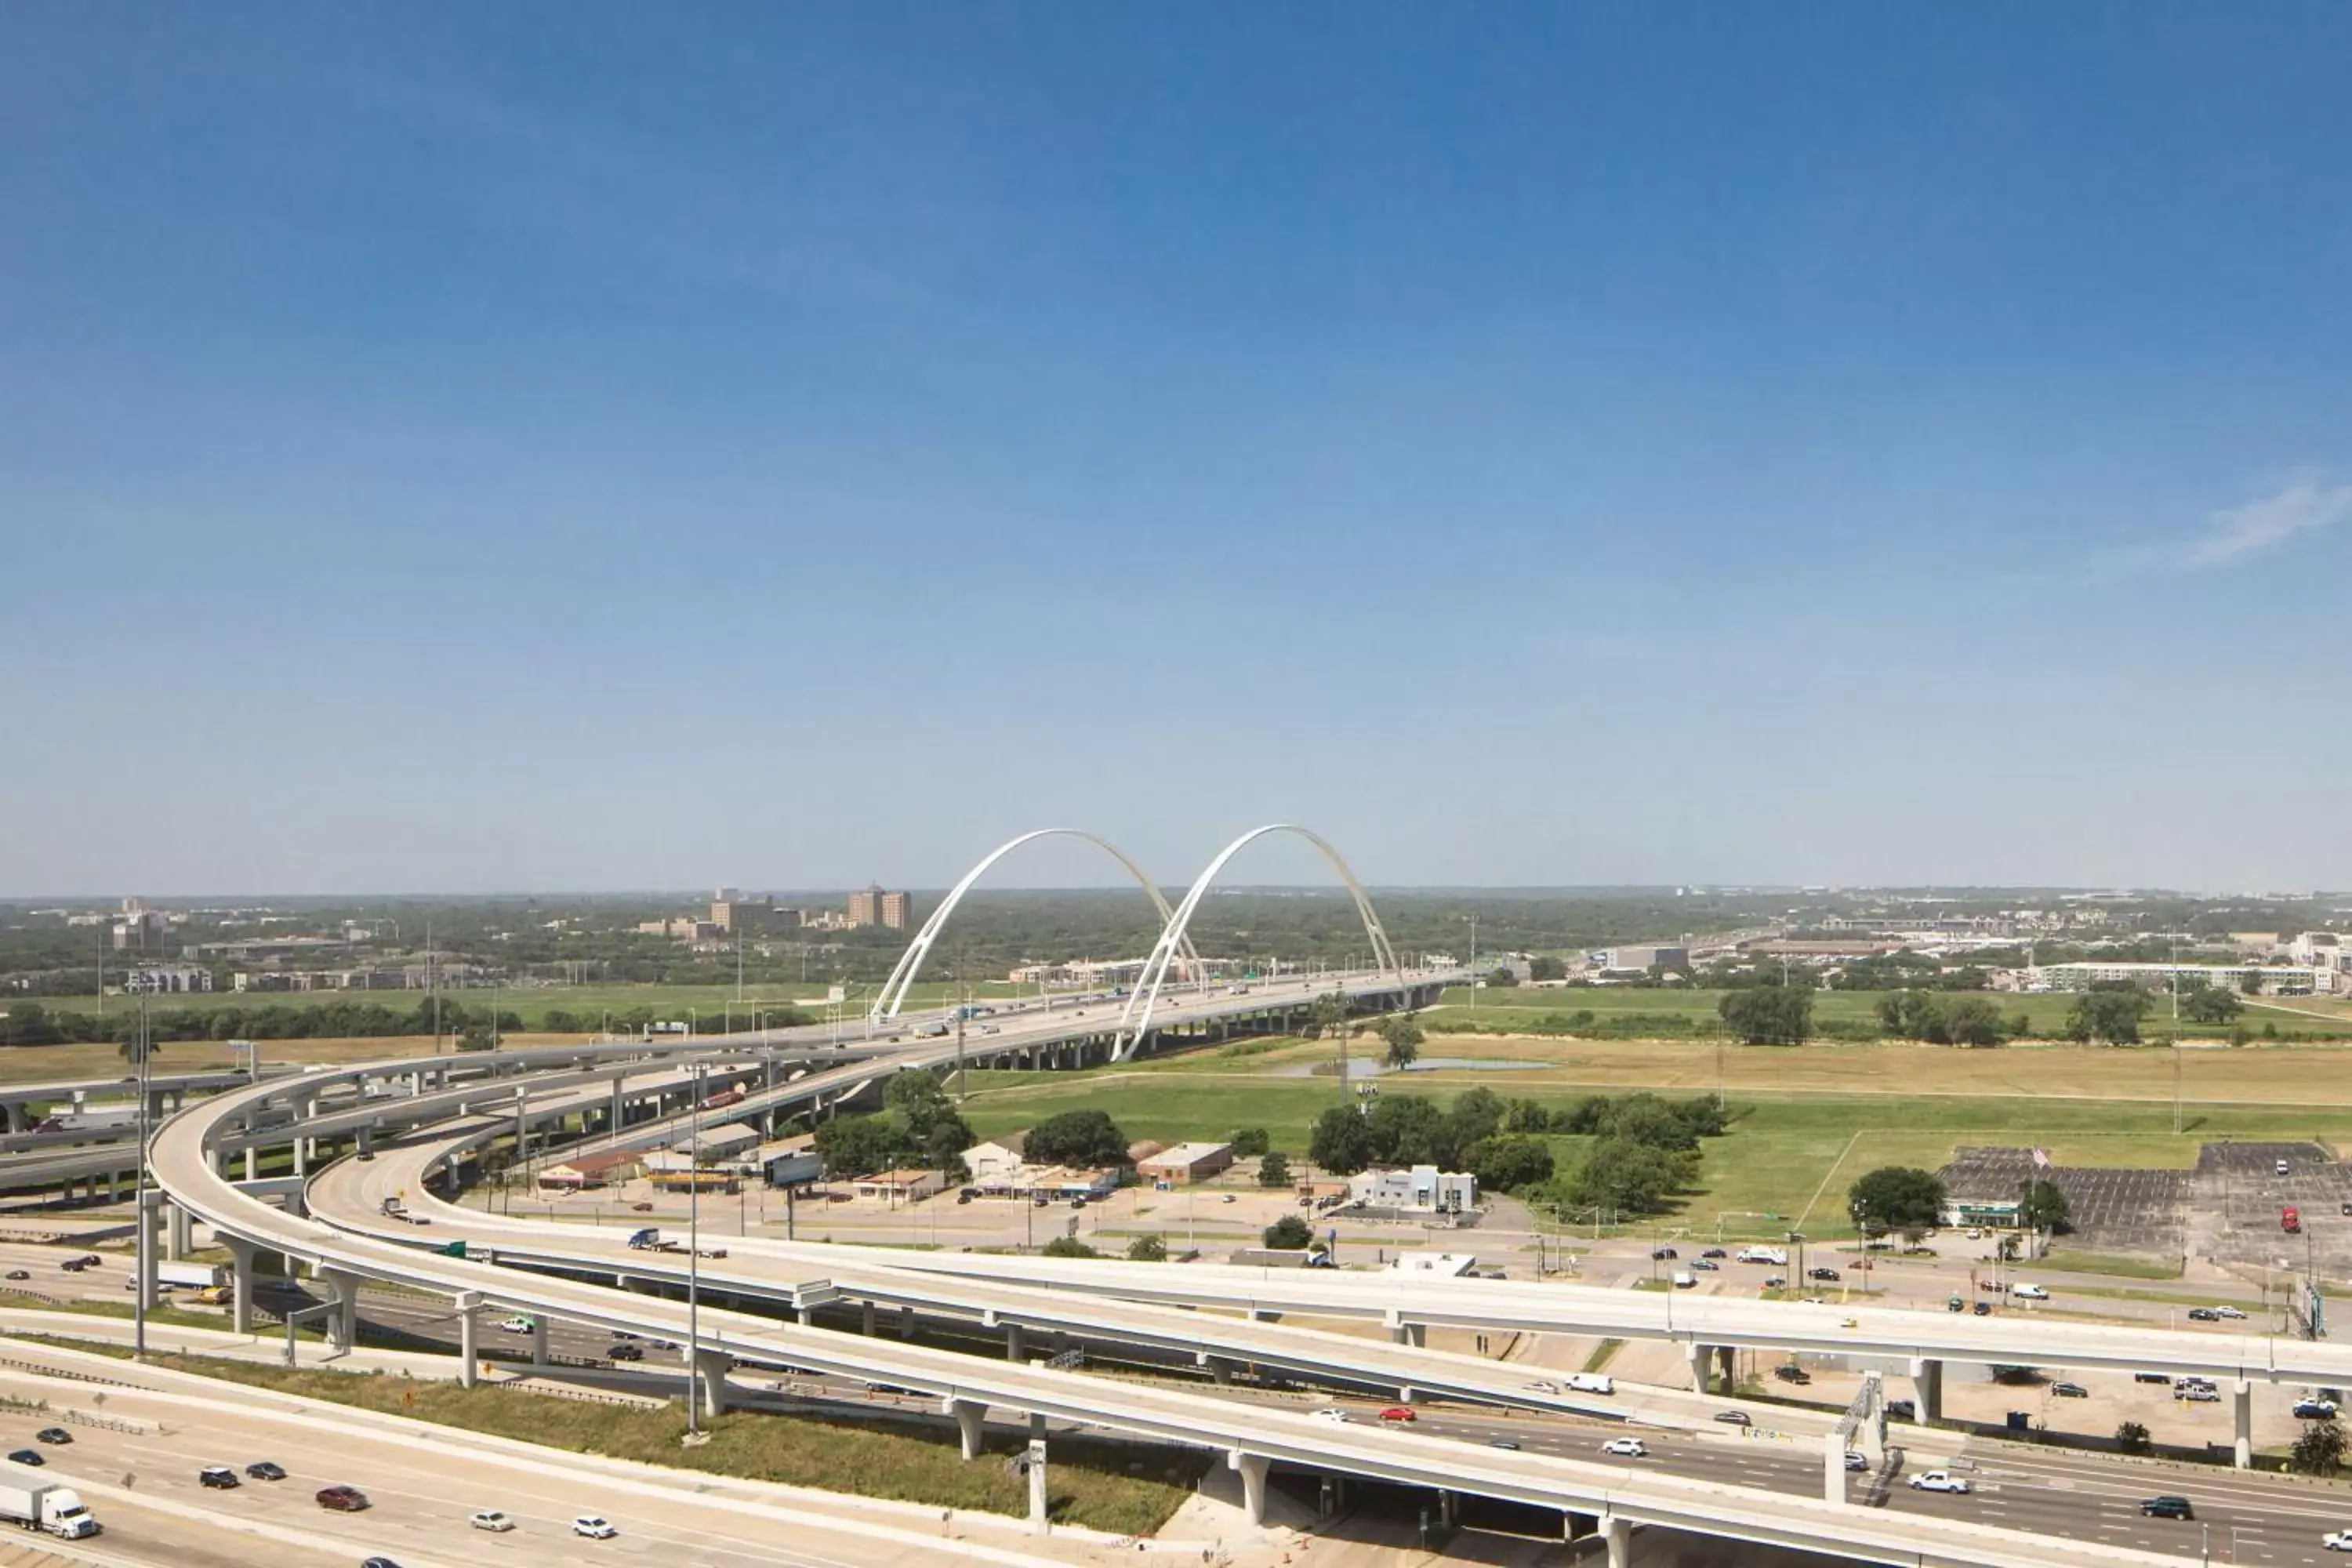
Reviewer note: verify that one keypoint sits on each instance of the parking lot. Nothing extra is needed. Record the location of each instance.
(2110, 1210)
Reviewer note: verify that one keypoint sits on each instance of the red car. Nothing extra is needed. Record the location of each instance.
(342, 1499)
(1398, 1413)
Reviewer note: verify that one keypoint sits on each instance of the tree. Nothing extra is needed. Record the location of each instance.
(1407, 1130)
(2107, 1014)
(1274, 1171)
(1527, 1116)
(1476, 1114)
(1325, 1015)
(1250, 1141)
(1971, 1021)
(475, 1037)
(853, 1146)
(1290, 1233)
(2043, 1208)
(1547, 967)
(2203, 1003)
(1896, 1197)
(1068, 1246)
(1340, 1143)
(1084, 1139)
(2250, 983)
(1629, 1176)
(1148, 1248)
(1503, 979)
(2320, 1450)
(1508, 1165)
(1403, 1036)
(2131, 1437)
(1768, 1014)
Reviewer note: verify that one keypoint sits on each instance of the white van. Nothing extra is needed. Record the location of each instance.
(1770, 1255)
(1684, 1279)
(1592, 1383)
(2029, 1292)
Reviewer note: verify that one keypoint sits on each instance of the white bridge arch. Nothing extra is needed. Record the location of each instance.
(910, 963)
(1175, 938)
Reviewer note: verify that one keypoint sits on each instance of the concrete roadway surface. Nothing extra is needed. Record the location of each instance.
(143, 1489)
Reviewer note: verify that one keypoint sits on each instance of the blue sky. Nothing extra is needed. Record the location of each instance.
(579, 445)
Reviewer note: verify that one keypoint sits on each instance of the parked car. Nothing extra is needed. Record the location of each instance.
(1714, 1252)
(1903, 1409)
(219, 1478)
(1663, 1252)
(2232, 1313)
(595, 1527)
(1706, 1265)
(1955, 1304)
(2198, 1395)
(1775, 1281)
(2167, 1506)
(1793, 1374)
(264, 1471)
(1942, 1481)
(1399, 1413)
(2316, 1409)
(2029, 1292)
(1828, 1276)
(2070, 1391)
(1626, 1449)
(492, 1518)
(2203, 1315)
(342, 1499)
(2151, 1378)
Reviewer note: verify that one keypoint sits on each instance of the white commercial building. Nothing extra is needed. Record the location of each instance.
(2277, 980)
(1424, 1189)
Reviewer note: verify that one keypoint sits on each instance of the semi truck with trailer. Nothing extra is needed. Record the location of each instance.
(33, 1504)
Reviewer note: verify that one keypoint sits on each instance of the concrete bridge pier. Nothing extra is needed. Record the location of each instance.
(177, 1240)
(241, 1282)
(539, 1332)
(709, 1380)
(343, 1321)
(866, 1319)
(1618, 1533)
(1702, 1358)
(469, 1339)
(1012, 1342)
(1928, 1381)
(148, 1246)
(1252, 1468)
(2244, 1399)
(969, 1415)
(252, 1163)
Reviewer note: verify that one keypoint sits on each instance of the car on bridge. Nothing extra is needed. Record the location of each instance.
(2070, 1391)
(1942, 1481)
(2316, 1409)
(1856, 1460)
(2166, 1506)
(1398, 1413)
(1626, 1449)
(2337, 1540)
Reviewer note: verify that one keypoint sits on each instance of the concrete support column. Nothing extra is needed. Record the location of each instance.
(1730, 1356)
(866, 1320)
(242, 1280)
(15, 1113)
(1928, 1382)
(2244, 1400)
(176, 1241)
(907, 1322)
(342, 1323)
(301, 1157)
(367, 1143)
(969, 1415)
(470, 1343)
(1619, 1533)
(252, 1163)
(1832, 1468)
(1449, 1507)
(1221, 1370)
(1013, 1341)
(709, 1380)
(111, 1192)
(1253, 1468)
(1700, 1358)
(539, 1340)
(147, 1247)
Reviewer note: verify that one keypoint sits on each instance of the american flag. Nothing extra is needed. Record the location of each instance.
(2042, 1159)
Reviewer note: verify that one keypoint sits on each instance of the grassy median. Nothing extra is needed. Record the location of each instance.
(1127, 1488)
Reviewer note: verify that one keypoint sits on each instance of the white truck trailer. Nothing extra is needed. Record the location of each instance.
(28, 1500)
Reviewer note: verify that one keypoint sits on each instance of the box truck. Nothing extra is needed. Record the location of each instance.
(27, 1501)
(190, 1275)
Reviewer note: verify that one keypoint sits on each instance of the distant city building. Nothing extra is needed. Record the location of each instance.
(2277, 980)
(873, 907)
(1644, 957)
(140, 930)
(732, 912)
(167, 980)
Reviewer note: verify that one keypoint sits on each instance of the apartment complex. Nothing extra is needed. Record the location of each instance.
(871, 906)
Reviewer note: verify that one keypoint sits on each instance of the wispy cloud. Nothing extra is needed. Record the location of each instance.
(2304, 506)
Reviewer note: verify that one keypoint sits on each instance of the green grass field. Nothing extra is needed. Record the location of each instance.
(1807, 1122)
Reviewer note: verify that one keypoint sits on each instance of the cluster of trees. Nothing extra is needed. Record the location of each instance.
(1906, 971)
(2109, 1013)
(2203, 1003)
(30, 1023)
(1410, 1129)
(921, 1127)
(1770, 1013)
(1943, 1018)
(1910, 1201)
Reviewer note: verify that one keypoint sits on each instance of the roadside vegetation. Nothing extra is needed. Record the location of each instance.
(1099, 1483)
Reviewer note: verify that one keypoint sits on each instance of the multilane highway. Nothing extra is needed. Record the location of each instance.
(185, 1154)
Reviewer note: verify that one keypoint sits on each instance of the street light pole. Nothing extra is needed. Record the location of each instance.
(693, 1256)
(146, 1251)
